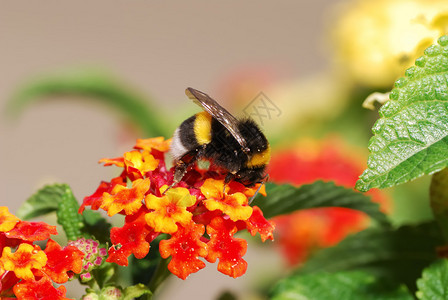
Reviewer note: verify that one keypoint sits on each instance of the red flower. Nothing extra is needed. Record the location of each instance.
(257, 223)
(31, 231)
(303, 232)
(96, 199)
(134, 238)
(39, 290)
(7, 282)
(185, 246)
(61, 261)
(228, 249)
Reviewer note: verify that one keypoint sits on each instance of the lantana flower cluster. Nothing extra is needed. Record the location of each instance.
(27, 271)
(200, 215)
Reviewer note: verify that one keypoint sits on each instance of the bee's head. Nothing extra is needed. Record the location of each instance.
(250, 176)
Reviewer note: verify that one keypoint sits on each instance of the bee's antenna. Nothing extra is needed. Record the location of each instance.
(266, 178)
(164, 192)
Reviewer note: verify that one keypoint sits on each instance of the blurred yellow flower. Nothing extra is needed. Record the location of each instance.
(377, 40)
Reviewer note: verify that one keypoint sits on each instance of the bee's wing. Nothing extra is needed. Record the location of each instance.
(219, 113)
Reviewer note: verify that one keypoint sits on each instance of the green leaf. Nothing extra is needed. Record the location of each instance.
(434, 282)
(135, 291)
(354, 285)
(410, 138)
(398, 254)
(43, 202)
(96, 226)
(68, 216)
(100, 87)
(284, 199)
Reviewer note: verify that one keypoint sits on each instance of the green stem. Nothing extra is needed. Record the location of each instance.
(159, 276)
(439, 200)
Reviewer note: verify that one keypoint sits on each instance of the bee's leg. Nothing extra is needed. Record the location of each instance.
(263, 181)
(181, 167)
(229, 177)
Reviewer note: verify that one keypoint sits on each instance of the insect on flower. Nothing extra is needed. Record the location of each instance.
(236, 145)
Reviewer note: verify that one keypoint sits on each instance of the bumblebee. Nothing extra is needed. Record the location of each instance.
(236, 145)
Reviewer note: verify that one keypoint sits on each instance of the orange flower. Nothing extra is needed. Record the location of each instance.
(185, 247)
(234, 205)
(7, 220)
(169, 209)
(118, 161)
(39, 290)
(96, 199)
(122, 198)
(62, 260)
(21, 262)
(158, 143)
(139, 163)
(224, 246)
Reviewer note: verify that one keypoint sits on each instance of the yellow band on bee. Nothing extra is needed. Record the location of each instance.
(203, 128)
(260, 159)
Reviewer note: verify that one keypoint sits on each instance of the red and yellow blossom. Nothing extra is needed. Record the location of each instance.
(23, 260)
(257, 223)
(169, 209)
(28, 272)
(228, 249)
(199, 213)
(133, 238)
(185, 247)
(96, 199)
(139, 163)
(127, 199)
(41, 289)
(234, 205)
